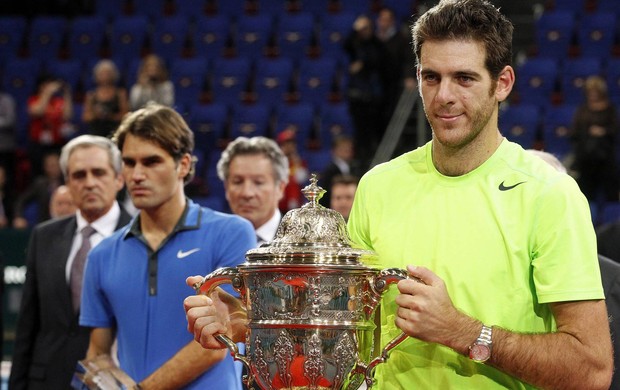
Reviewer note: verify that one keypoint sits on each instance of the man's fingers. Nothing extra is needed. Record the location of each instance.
(193, 280)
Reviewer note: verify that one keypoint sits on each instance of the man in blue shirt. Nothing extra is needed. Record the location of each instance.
(134, 282)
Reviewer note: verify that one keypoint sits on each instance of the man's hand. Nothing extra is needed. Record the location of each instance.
(426, 312)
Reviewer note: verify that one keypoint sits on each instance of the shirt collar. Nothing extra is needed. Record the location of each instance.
(105, 225)
(190, 220)
(267, 231)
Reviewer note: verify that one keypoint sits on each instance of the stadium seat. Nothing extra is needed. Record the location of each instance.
(194, 9)
(210, 35)
(317, 7)
(536, 81)
(335, 121)
(230, 8)
(86, 35)
(128, 37)
(596, 34)
(316, 78)
(19, 78)
(110, 9)
(298, 117)
(334, 29)
(69, 71)
(152, 9)
(12, 32)
(356, 7)
(575, 6)
(554, 32)
(519, 123)
(272, 79)
(45, 36)
(294, 34)
(208, 122)
(574, 73)
(253, 34)
(169, 36)
(556, 124)
(189, 77)
(229, 80)
(250, 120)
(612, 73)
(403, 9)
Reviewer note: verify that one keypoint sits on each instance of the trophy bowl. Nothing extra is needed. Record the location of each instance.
(310, 298)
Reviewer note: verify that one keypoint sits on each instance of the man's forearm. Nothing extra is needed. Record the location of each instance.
(185, 366)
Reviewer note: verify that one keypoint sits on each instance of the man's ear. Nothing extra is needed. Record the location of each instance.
(505, 82)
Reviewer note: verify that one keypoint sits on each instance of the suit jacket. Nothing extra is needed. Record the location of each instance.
(610, 275)
(49, 341)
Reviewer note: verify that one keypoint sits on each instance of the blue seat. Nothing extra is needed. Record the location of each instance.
(210, 35)
(169, 36)
(317, 160)
(536, 80)
(335, 120)
(610, 6)
(298, 117)
(596, 34)
(128, 37)
(556, 125)
(574, 73)
(272, 79)
(273, 7)
(612, 75)
(253, 34)
(194, 9)
(334, 29)
(19, 78)
(250, 120)
(208, 122)
(152, 9)
(294, 33)
(230, 8)
(189, 77)
(86, 35)
(230, 79)
(110, 9)
(316, 79)
(45, 36)
(12, 32)
(69, 71)
(519, 123)
(317, 7)
(574, 6)
(553, 33)
(356, 7)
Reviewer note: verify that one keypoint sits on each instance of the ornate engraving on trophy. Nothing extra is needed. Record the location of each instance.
(314, 366)
(284, 352)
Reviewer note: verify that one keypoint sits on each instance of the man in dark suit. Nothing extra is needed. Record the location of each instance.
(342, 163)
(49, 342)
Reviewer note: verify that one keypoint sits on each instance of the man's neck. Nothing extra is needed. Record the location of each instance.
(158, 222)
(460, 161)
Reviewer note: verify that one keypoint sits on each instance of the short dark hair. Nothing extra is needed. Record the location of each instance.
(162, 125)
(476, 20)
(345, 179)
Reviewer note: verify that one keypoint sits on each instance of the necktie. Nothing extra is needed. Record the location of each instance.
(77, 268)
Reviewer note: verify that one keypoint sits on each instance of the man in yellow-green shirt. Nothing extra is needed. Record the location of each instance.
(504, 244)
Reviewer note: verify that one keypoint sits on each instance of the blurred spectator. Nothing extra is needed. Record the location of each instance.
(107, 103)
(153, 84)
(343, 192)
(608, 240)
(400, 59)
(40, 192)
(366, 86)
(50, 110)
(8, 141)
(255, 171)
(594, 131)
(298, 172)
(6, 199)
(61, 202)
(342, 163)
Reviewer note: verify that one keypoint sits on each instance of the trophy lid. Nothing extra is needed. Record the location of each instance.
(311, 234)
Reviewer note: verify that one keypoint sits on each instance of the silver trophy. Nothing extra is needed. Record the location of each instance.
(310, 299)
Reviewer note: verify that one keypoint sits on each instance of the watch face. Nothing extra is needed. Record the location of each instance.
(480, 352)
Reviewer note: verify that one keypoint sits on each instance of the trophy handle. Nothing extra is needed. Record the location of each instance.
(214, 279)
(382, 281)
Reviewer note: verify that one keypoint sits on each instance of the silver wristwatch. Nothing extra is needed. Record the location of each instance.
(480, 350)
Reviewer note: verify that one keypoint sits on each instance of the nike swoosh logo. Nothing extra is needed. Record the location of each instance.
(181, 254)
(502, 187)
